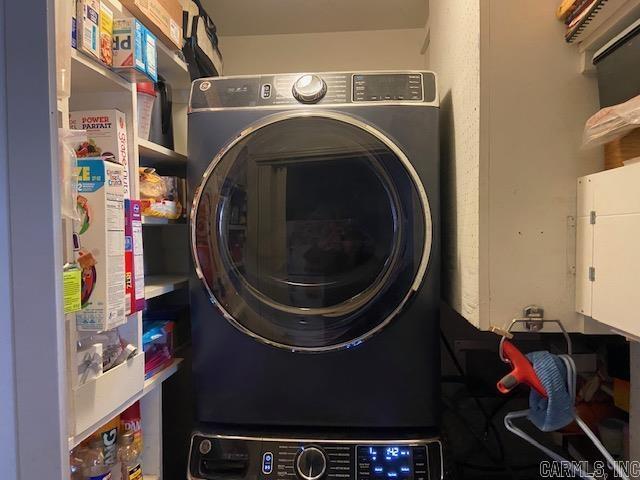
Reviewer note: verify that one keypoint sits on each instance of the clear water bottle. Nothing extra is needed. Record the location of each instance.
(93, 463)
(130, 457)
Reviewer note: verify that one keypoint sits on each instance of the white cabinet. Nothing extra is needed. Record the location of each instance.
(513, 108)
(608, 253)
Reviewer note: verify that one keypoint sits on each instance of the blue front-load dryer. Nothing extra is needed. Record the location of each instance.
(315, 234)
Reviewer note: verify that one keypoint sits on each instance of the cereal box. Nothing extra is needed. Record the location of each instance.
(107, 137)
(101, 244)
(88, 26)
(150, 55)
(129, 49)
(106, 35)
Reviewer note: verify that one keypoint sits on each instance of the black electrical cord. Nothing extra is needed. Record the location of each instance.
(479, 440)
(488, 419)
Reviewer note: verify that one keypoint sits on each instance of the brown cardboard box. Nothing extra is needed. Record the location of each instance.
(625, 148)
(162, 17)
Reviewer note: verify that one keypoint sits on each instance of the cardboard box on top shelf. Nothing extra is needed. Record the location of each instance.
(161, 17)
(135, 55)
(106, 35)
(88, 27)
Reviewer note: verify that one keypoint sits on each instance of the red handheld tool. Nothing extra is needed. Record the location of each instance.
(522, 372)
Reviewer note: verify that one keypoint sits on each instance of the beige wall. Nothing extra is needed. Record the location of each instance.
(334, 51)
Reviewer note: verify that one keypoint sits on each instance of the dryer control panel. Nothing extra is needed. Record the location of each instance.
(304, 89)
(214, 457)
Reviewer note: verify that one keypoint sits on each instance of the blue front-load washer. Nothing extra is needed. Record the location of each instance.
(314, 299)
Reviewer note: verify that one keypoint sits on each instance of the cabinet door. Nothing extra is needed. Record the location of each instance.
(616, 294)
(616, 252)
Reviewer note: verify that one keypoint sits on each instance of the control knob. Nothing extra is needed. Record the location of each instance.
(311, 464)
(309, 89)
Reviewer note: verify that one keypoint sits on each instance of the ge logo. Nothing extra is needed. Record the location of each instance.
(204, 86)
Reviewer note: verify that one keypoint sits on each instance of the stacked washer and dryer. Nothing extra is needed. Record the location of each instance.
(315, 295)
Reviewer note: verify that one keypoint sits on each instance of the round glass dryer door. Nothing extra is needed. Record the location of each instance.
(310, 231)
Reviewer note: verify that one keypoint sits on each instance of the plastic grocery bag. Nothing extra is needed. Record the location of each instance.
(611, 123)
(67, 139)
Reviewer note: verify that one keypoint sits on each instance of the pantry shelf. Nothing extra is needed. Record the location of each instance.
(172, 68)
(158, 154)
(151, 221)
(624, 15)
(161, 376)
(156, 285)
(149, 385)
(88, 76)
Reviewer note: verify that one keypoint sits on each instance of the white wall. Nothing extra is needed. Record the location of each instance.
(334, 51)
(7, 379)
(454, 54)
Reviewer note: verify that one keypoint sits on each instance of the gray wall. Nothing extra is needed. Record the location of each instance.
(7, 379)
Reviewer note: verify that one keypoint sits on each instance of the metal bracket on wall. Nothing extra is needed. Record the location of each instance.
(533, 320)
(532, 317)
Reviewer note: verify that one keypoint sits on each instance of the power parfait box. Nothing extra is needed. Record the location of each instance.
(107, 138)
(101, 244)
(134, 261)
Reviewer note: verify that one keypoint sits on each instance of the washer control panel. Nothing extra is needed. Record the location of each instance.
(214, 457)
(381, 87)
(304, 89)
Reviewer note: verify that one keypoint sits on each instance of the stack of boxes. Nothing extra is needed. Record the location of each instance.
(112, 287)
(123, 44)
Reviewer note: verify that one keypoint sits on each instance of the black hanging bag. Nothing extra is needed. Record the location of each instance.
(201, 42)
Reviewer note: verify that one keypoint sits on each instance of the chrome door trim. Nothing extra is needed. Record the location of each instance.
(340, 117)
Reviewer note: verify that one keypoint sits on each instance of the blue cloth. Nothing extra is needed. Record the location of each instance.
(556, 411)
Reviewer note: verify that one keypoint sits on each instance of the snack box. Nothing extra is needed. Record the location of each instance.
(88, 26)
(134, 262)
(162, 17)
(74, 24)
(100, 238)
(107, 138)
(151, 55)
(132, 51)
(106, 35)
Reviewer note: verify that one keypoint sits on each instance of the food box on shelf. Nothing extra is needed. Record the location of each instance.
(135, 56)
(107, 138)
(88, 27)
(162, 17)
(134, 262)
(101, 244)
(106, 35)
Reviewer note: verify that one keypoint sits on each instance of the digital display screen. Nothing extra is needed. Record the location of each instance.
(387, 87)
(387, 461)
